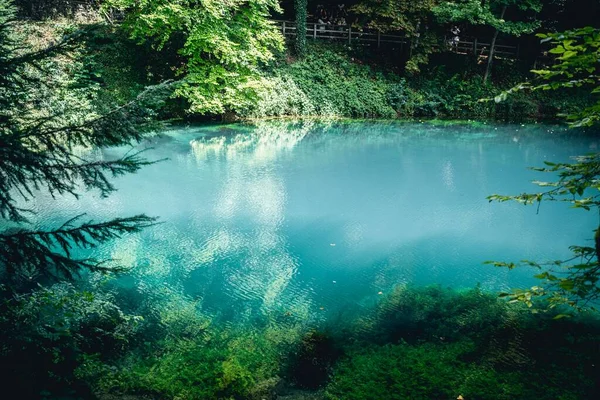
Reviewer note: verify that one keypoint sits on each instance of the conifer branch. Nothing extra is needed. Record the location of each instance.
(51, 252)
(38, 152)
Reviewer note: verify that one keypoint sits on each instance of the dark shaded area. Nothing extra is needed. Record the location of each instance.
(312, 363)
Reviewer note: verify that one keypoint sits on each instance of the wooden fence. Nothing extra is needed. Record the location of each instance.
(341, 32)
(479, 48)
(372, 37)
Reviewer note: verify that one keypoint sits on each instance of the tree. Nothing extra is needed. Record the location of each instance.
(576, 281)
(395, 15)
(40, 9)
(39, 141)
(406, 16)
(489, 12)
(300, 7)
(222, 45)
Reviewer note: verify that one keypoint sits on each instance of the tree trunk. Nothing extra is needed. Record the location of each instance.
(488, 69)
(301, 10)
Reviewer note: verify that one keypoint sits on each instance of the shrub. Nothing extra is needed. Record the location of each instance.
(326, 82)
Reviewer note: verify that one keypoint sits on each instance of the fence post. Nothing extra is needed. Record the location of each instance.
(518, 50)
(315, 31)
(378, 39)
(475, 46)
(349, 34)
(283, 28)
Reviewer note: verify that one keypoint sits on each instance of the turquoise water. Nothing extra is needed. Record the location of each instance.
(313, 219)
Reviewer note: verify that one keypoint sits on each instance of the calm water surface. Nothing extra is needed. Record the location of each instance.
(312, 219)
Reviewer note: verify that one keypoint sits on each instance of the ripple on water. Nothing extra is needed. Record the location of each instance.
(306, 220)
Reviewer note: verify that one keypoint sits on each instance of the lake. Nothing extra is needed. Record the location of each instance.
(313, 219)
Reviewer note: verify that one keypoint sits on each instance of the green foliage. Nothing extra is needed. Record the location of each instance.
(436, 343)
(220, 45)
(181, 353)
(301, 8)
(476, 12)
(280, 96)
(31, 253)
(408, 17)
(43, 129)
(326, 82)
(400, 372)
(217, 364)
(47, 331)
(574, 282)
(117, 64)
(577, 54)
(489, 13)
(416, 343)
(333, 81)
(394, 15)
(431, 313)
(443, 370)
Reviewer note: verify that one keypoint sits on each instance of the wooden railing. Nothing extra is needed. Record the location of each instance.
(373, 37)
(474, 46)
(341, 32)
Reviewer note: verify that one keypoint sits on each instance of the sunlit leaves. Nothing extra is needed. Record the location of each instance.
(572, 282)
(578, 183)
(476, 12)
(577, 54)
(222, 44)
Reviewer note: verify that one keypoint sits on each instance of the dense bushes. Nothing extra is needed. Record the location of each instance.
(329, 81)
(45, 334)
(333, 81)
(325, 82)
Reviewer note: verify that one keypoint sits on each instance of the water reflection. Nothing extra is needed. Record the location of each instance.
(252, 191)
(303, 219)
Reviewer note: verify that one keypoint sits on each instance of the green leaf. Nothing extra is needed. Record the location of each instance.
(566, 284)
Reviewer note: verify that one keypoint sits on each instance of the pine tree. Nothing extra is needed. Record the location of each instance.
(38, 152)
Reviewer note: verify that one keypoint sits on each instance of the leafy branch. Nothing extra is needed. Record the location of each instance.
(577, 62)
(40, 150)
(573, 282)
(51, 252)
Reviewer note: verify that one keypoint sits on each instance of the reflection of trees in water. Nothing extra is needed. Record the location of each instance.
(258, 147)
(257, 263)
(235, 254)
(254, 192)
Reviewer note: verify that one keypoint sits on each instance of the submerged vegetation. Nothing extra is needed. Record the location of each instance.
(416, 342)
